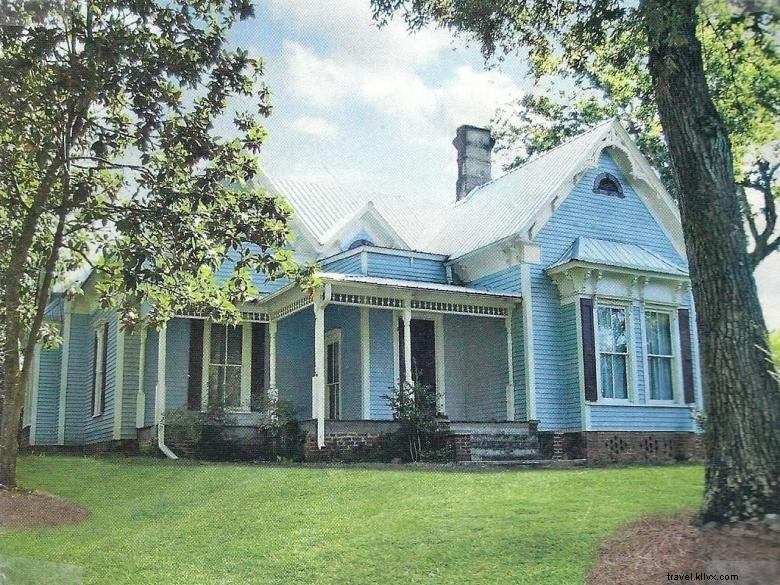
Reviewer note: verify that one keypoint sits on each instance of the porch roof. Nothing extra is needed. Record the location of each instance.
(337, 277)
(619, 254)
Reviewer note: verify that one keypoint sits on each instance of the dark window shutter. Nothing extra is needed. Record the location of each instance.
(686, 354)
(194, 384)
(589, 349)
(104, 360)
(258, 364)
(94, 370)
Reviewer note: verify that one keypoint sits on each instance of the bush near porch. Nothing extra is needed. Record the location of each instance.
(155, 521)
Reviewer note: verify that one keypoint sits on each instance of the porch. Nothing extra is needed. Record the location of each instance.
(335, 355)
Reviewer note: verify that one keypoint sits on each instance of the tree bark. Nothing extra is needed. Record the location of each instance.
(742, 428)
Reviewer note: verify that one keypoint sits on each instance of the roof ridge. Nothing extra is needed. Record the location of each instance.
(541, 156)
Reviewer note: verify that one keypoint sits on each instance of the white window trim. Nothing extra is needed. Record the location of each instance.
(630, 352)
(674, 331)
(246, 369)
(334, 336)
(97, 370)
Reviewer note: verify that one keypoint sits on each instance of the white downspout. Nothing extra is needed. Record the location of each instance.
(160, 394)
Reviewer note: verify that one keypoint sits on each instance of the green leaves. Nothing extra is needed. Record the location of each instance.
(107, 112)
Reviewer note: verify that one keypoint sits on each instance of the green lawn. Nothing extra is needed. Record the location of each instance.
(178, 523)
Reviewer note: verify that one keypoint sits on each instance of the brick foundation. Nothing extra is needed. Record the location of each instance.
(606, 447)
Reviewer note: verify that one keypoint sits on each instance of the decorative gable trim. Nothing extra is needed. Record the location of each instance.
(367, 217)
(638, 172)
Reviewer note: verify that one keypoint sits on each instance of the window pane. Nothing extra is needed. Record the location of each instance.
(619, 329)
(606, 338)
(619, 372)
(217, 353)
(234, 339)
(232, 386)
(651, 321)
(660, 378)
(331, 361)
(607, 390)
(216, 385)
(664, 335)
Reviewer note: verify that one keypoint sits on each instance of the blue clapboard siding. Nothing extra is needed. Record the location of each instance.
(347, 319)
(570, 381)
(177, 364)
(150, 376)
(101, 428)
(406, 267)
(506, 280)
(589, 214)
(263, 285)
(348, 265)
(176, 368)
(295, 360)
(382, 361)
(79, 387)
(518, 359)
(640, 418)
(475, 369)
(48, 403)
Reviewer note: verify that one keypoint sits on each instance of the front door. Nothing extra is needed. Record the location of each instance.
(423, 351)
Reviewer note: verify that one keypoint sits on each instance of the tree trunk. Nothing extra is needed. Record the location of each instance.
(742, 429)
(11, 399)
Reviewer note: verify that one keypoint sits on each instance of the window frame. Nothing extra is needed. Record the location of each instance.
(630, 350)
(334, 336)
(246, 368)
(674, 339)
(608, 176)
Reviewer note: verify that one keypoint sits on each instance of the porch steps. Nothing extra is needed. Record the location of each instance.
(500, 442)
(529, 463)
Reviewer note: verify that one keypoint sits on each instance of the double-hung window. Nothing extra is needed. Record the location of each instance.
(225, 365)
(660, 355)
(613, 353)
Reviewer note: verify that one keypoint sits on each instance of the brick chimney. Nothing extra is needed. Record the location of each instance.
(474, 147)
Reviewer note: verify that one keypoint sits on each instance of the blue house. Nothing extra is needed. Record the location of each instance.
(549, 307)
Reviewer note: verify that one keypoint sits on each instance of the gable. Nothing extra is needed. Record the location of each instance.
(590, 214)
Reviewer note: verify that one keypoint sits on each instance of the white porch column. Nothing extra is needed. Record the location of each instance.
(273, 392)
(119, 382)
(66, 324)
(510, 387)
(318, 381)
(365, 361)
(407, 317)
(140, 397)
(159, 395)
(528, 341)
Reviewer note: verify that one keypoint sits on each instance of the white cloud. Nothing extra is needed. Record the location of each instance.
(314, 127)
(351, 32)
(399, 94)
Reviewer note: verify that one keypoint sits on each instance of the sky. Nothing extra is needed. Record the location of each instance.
(377, 109)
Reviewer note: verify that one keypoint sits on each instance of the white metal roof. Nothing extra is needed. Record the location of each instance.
(626, 255)
(508, 205)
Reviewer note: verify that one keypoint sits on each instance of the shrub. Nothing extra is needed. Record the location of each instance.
(206, 435)
(420, 437)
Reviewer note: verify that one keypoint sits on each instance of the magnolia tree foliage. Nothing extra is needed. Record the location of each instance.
(743, 72)
(109, 159)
